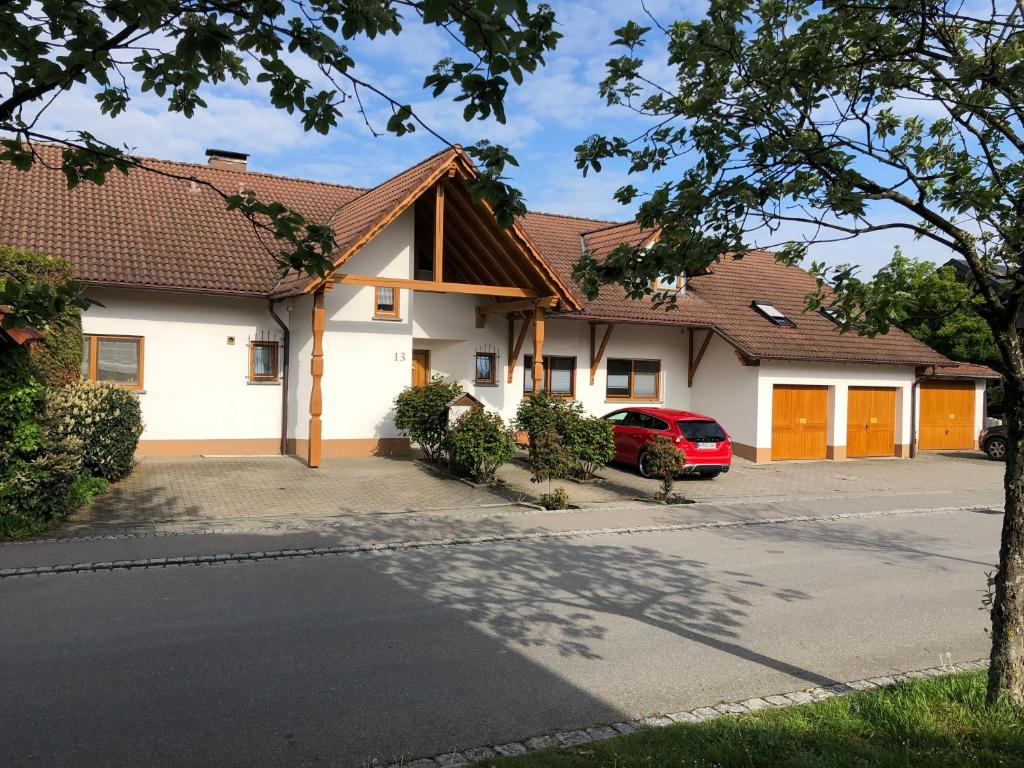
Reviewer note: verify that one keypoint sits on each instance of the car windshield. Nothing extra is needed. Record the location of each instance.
(696, 431)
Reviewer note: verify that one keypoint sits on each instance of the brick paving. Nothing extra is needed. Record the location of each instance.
(198, 491)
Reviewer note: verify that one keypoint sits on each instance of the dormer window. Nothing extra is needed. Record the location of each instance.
(667, 283)
(771, 312)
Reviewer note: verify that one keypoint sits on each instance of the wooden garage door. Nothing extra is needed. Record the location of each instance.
(871, 421)
(799, 422)
(947, 415)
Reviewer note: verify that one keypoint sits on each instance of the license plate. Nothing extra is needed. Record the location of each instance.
(707, 446)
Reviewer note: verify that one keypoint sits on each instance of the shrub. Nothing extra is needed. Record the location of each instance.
(589, 441)
(479, 443)
(40, 470)
(107, 420)
(57, 359)
(550, 460)
(592, 443)
(540, 410)
(557, 499)
(421, 414)
(664, 461)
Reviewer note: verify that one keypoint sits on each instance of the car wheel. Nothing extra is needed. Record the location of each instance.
(995, 447)
(643, 465)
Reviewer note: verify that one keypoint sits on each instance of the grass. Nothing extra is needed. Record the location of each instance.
(930, 722)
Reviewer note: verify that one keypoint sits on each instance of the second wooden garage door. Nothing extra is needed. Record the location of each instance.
(871, 421)
(947, 416)
(799, 422)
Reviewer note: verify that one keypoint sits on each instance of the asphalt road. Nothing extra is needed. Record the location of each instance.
(343, 659)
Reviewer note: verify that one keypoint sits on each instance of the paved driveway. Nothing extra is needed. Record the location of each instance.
(166, 493)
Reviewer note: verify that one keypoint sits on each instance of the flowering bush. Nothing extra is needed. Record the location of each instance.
(105, 418)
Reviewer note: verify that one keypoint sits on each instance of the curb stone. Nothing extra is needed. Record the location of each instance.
(351, 549)
(567, 739)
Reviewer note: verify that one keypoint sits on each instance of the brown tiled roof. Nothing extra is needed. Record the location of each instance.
(151, 230)
(958, 370)
(601, 242)
(721, 300)
(20, 335)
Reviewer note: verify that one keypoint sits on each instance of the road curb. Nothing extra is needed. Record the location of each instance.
(353, 549)
(566, 739)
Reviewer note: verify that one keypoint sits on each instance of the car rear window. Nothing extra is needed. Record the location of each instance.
(701, 431)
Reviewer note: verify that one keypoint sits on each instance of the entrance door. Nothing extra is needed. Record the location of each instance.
(947, 416)
(871, 421)
(799, 422)
(420, 367)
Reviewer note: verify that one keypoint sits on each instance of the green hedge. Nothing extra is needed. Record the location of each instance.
(57, 360)
(106, 419)
(478, 443)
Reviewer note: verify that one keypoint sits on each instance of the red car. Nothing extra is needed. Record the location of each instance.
(702, 441)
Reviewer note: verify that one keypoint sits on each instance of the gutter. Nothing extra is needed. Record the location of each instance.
(286, 334)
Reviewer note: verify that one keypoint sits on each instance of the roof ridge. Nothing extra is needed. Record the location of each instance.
(578, 218)
(264, 174)
(610, 226)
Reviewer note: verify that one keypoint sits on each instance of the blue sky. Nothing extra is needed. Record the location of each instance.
(547, 117)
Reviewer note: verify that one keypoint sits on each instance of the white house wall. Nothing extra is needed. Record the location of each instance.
(726, 390)
(196, 395)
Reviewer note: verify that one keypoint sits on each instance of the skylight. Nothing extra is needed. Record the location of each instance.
(771, 312)
(831, 313)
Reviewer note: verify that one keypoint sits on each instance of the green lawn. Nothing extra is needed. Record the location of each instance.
(930, 722)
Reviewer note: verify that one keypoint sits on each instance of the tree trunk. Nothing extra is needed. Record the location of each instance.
(1006, 673)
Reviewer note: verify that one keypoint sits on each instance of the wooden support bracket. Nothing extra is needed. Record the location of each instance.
(694, 363)
(596, 355)
(515, 349)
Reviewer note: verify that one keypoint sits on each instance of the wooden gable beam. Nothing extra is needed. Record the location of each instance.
(439, 231)
(597, 355)
(694, 363)
(433, 286)
(517, 347)
(500, 307)
(472, 234)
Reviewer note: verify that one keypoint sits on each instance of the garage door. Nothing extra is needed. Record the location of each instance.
(871, 421)
(947, 415)
(799, 422)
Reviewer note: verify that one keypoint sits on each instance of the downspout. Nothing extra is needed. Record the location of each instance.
(284, 376)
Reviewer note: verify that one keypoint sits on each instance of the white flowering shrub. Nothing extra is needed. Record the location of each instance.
(108, 421)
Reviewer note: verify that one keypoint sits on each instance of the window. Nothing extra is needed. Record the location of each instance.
(618, 418)
(484, 368)
(385, 303)
(831, 313)
(559, 375)
(263, 361)
(769, 310)
(668, 283)
(633, 380)
(117, 359)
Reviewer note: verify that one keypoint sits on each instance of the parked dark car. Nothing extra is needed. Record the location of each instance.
(705, 446)
(993, 442)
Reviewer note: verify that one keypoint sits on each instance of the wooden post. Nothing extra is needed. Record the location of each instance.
(538, 349)
(439, 233)
(316, 367)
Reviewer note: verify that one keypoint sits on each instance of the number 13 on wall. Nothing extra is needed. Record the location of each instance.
(399, 357)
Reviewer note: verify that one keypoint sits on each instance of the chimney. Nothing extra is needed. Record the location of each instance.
(226, 159)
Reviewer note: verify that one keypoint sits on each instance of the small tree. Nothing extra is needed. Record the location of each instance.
(550, 460)
(540, 410)
(479, 443)
(592, 444)
(421, 414)
(664, 461)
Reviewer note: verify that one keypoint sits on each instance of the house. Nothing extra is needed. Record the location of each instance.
(228, 357)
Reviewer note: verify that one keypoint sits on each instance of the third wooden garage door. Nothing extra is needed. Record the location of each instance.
(947, 415)
(799, 422)
(871, 421)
